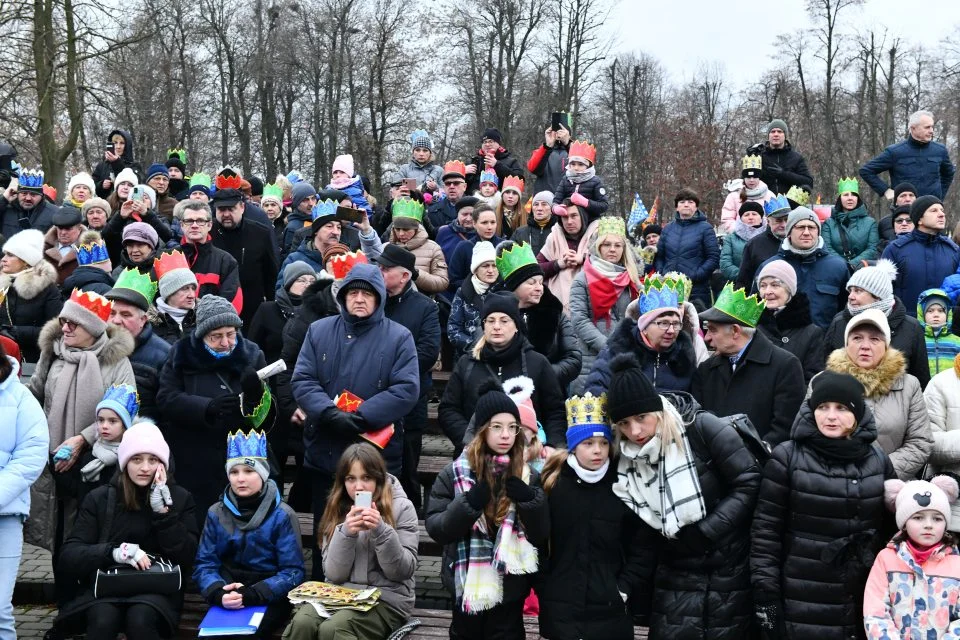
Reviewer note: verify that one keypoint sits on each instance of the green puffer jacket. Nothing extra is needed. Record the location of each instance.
(863, 235)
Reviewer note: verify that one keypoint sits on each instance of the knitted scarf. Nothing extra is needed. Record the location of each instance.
(482, 562)
(756, 194)
(606, 281)
(786, 246)
(77, 389)
(104, 455)
(176, 314)
(579, 177)
(554, 247)
(479, 285)
(747, 232)
(884, 305)
(588, 476)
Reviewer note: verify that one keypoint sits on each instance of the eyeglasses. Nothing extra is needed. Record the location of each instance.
(217, 338)
(69, 324)
(512, 428)
(902, 221)
(195, 222)
(305, 280)
(667, 324)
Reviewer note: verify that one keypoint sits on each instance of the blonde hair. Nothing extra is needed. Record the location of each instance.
(670, 427)
(627, 260)
(551, 469)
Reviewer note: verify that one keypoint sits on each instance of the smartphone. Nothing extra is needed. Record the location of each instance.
(410, 183)
(110, 147)
(555, 119)
(363, 499)
(136, 193)
(350, 214)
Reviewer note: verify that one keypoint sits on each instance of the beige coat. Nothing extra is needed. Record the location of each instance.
(943, 404)
(431, 264)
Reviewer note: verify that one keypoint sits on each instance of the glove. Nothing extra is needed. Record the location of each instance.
(160, 498)
(773, 169)
(479, 495)
(691, 537)
(559, 210)
(344, 424)
(579, 200)
(224, 409)
(63, 453)
(770, 619)
(251, 385)
(252, 596)
(128, 553)
(518, 490)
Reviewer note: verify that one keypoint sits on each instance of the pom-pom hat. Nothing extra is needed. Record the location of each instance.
(908, 498)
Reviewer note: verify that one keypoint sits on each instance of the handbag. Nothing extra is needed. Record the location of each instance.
(123, 581)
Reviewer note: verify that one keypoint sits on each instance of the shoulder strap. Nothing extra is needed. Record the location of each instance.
(108, 516)
(843, 240)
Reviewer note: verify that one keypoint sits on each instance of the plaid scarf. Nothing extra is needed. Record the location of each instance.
(481, 562)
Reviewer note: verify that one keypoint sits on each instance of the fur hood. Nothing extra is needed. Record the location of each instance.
(878, 381)
(31, 283)
(119, 345)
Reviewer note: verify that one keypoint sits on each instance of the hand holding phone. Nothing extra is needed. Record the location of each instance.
(410, 183)
(363, 499)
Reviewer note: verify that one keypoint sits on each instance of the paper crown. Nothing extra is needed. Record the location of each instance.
(739, 306)
(798, 195)
(679, 283)
(407, 208)
(323, 209)
(455, 166)
(167, 262)
(658, 297)
(610, 225)
(583, 150)
(177, 153)
(489, 176)
(31, 179)
(848, 185)
(252, 444)
(512, 258)
(341, 264)
(124, 395)
(294, 177)
(229, 182)
(50, 191)
(587, 410)
(92, 253)
(514, 183)
(200, 179)
(272, 190)
(775, 204)
(142, 283)
(751, 163)
(92, 302)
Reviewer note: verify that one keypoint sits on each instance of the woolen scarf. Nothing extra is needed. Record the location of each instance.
(884, 305)
(479, 285)
(844, 449)
(104, 455)
(579, 177)
(77, 390)
(786, 246)
(554, 247)
(176, 314)
(588, 476)
(606, 281)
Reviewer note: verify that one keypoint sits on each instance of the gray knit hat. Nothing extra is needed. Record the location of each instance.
(174, 280)
(798, 214)
(214, 312)
(877, 280)
(294, 270)
(777, 123)
(300, 192)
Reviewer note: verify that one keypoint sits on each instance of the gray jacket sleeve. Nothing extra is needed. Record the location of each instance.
(580, 316)
(918, 437)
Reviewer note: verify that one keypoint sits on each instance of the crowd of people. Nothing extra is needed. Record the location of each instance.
(738, 431)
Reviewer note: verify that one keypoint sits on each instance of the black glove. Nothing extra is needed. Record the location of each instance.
(691, 537)
(773, 169)
(251, 386)
(340, 422)
(755, 149)
(225, 409)
(252, 596)
(479, 495)
(518, 490)
(770, 619)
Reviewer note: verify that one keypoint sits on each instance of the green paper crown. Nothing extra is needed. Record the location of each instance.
(799, 195)
(848, 185)
(675, 281)
(736, 304)
(611, 225)
(201, 179)
(514, 257)
(139, 282)
(407, 208)
(177, 153)
(273, 190)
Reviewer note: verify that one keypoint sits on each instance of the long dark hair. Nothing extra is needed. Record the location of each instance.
(477, 451)
(339, 502)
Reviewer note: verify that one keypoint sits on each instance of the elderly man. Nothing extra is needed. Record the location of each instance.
(217, 271)
(764, 246)
(61, 241)
(25, 207)
(454, 180)
(783, 166)
(747, 373)
(918, 160)
(176, 304)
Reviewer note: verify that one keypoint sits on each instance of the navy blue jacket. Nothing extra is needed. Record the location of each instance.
(442, 212)
(592, 189)
(923, 262)
(690, 247)
(823, 277)
(147, 359)
(420, 316)
(925, 165)
(458, 267)
(374, 358)
(670, 370)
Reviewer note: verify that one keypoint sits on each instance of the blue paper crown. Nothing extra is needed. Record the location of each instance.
(31, 178)
(124, 396)
(778, 203)
(294, 177)
(658, 299)
(489, 176)
(92, 253)
(323, 209)
(252, 444)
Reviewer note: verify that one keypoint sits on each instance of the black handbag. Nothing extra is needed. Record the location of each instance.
(122, 580)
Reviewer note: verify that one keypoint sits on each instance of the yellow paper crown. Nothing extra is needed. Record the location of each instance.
(611, 225)
(751, 163)
(586, 409)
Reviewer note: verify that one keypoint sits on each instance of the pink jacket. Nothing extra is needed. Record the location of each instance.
(904, 600)
(731, 207)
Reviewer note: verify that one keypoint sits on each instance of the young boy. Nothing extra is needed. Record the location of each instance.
(345, 180)
(581, 184)
(489, 190)
(935, 315)
(421, 166)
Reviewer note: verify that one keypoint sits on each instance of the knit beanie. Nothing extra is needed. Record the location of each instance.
(127, 175)
(344, 163)
(777, 123)
(483, 251)
(799, 214)
(26, 245)
(630, 392)
(501, 302)
(81, 178)
(492, 134)
(750, 205)
(874, 317)
(492, 400)
(920, 206)
(300, 192)
(782, 271)
(140, 232)
(830, 386)
(420, 139)
(903, 187)
(89, 310)
(174, 280)
(877, 279)
(123, 400)
(338, 249)
(95, 203)
(157, 169)
(294, 270)
(543, 196)
(908, 498)
(899, 211)
(143, 437)
(214, 312)
(652, 228)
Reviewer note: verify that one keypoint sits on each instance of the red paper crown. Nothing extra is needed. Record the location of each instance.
(341, 264)
(229, 182)
(455, 166)
(513, 182)
(583, 149)
(93, 302)
(167, 262)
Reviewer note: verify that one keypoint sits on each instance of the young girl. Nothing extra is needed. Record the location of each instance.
(489, 510)
(581, 184)
(250, 551)
(345, 180)
(914, 586)
(489, 190)
(463, 327)
(509, 207)
(363, 547)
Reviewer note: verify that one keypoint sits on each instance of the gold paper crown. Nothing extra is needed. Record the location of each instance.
(848, 185)
(586, 409)
(739, 306)
(754, 163)
(611, 225)
(582, 149)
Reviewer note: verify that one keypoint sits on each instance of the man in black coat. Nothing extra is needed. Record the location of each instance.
(747, 374)
(492, 157)
(419, 314)
(216, 270)
(761, 248)
(783, 167)
(26, 208)
(249, 246)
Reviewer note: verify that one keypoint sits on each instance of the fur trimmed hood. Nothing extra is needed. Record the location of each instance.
(30, 283)
(878, 381)
(120, 343)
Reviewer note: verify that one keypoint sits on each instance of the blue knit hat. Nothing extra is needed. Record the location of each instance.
(586, 418)
(157, 169)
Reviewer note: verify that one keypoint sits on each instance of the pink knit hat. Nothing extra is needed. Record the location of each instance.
(520, 390)
(344, 163)
(908, 498)
(143, 437)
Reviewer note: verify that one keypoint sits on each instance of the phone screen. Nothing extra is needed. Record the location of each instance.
(363, 499)
(411, 183)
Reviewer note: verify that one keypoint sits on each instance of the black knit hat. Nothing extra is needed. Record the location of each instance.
(492, 134)
(899, 211)
(919, 207)
(652, 228)
(750, 205)
(630, 392)
(492, 401)
(830, 386)
(501, 302)
(903, 187)
(466, 201)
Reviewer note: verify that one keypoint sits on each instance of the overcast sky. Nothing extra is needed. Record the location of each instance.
(740, 34)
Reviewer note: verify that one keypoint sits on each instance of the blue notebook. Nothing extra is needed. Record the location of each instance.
(231, 622)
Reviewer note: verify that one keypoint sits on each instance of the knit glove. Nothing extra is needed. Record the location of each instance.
(225, 409)
(559, 210)
(770, 619)
(251, 385)
(578, 199)
(253, 597)
(518, 490)
(160, 498)
(478, 496)
(128, 553)
(347, 425)
(773, 169)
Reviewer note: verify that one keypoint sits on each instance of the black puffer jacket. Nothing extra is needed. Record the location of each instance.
(819, 523)
(551, 333)
(148, 357)
(507, 165)
(167, 328)
(906, 336)
(757, 251)
(670, 370)
(702, 584)
(113, 232)
(793, 330)
(533, 234)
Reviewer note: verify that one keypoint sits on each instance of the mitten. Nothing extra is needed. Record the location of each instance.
(579, 200)
(128, 553)
(251, 385)
(518, 490)
(160, 498)
(478, 496)
(559, 210)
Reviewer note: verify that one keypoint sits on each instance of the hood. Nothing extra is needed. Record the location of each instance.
(370, 274)
(84, 275)
(306, 248)
(30, 283)
(13, 377)
(878, 381)
(805, 426)
(119, 345)
(127, 154)
(697, 217)
(934, 293)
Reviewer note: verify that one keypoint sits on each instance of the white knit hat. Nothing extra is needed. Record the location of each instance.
(482, 252)
(81, 178)
(127, 175)
(876, 280)
(26, 245)
(908, 498)
(873, 317)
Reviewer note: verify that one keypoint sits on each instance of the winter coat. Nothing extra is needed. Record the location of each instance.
(549, 165)
(862, 235)
(925, 165)
(90, 544)
(942, 397)
(755, 252)
(113, 233)
(730, 213)
(670, 370)
(32, 299)
(459, 264)
(145, 267)
(464, 324)
(924, 261)
(65, 264)
(793, 331)
(110, 170)
(943, 346)
(421, 172)
(731, 253)
(450, 518)
(24, 443)
(149, 355)
(896, 400)
(257, 264)
(266, 328)
(431, 263)
(216, 271)
(374, 358)
(166, 327)
(819, 522)
(551, 333)
(449, 240)
(87, 278)
(690, 247)
(295, 222)
(533, 234)
(592, 189)
(906, 336)
(420, 316)
(822, 277)
(385, 557)
(794, 168)
(353, 187)
(462, 391)
(592, 335)
(14, 219)
(189, 380)
(507, 165)
(265, 555)
(702, 583)
(597, 551)
(441, 213)
(767, 386)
